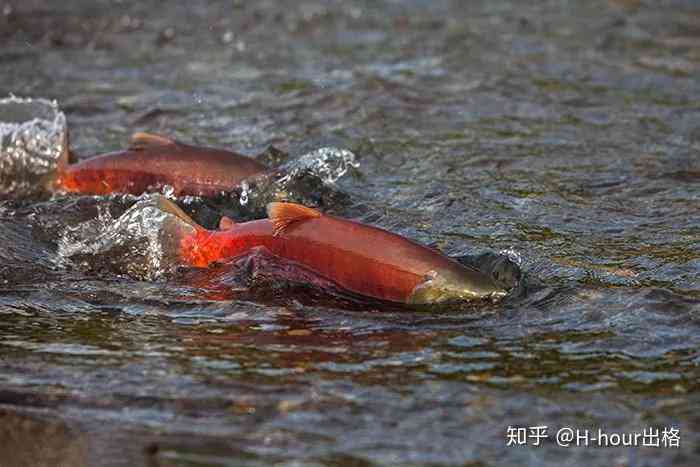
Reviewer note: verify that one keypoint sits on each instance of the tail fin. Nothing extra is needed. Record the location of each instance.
(168, 206)
(65, 158)
(177, 232)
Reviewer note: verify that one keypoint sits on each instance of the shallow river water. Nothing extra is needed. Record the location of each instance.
(564, 135)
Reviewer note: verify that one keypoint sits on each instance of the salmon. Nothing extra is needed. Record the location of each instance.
(149, 164)
(360, 258)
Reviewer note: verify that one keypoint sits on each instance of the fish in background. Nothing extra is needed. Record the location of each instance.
(149, 164)
(359, 258)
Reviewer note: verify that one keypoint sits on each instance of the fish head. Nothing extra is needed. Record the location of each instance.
(455, 285)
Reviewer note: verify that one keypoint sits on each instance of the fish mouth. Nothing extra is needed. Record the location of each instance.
(438, 288)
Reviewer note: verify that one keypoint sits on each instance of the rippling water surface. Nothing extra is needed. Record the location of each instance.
(564, 135)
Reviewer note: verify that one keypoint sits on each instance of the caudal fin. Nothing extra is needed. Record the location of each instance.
(177, 232)
(168, 206)
(65, 158)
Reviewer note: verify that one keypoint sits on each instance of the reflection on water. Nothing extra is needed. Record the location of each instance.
(563, 135)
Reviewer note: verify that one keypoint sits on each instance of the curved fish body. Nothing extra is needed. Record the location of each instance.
(362, 259)
(151, 163)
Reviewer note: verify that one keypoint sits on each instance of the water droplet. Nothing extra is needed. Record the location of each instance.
(243, 198)
(168, 191)
(227, 37)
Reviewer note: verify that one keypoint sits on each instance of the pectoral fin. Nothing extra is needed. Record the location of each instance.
(226, 223)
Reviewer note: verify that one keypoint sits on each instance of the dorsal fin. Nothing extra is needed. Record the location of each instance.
(226, 223)
(142, 140)
(282, 215)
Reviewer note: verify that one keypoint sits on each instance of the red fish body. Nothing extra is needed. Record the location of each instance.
(360, 258)
(153, 162)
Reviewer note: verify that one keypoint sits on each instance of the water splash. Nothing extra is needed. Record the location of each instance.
(31, 139)
(512, 255)
(309, 179)
(141, 243)
(328, 164)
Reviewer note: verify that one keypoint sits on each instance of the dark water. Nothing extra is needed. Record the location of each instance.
(566, 134)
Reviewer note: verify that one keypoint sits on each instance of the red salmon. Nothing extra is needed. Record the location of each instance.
(360, 258)
(149, 164)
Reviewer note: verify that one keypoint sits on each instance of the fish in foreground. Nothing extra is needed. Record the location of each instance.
(151, 163)
(362, 259)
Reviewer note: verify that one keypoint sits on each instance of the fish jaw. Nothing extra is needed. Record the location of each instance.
(455, 286)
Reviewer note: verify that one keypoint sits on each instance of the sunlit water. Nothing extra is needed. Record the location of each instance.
(565, 135)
